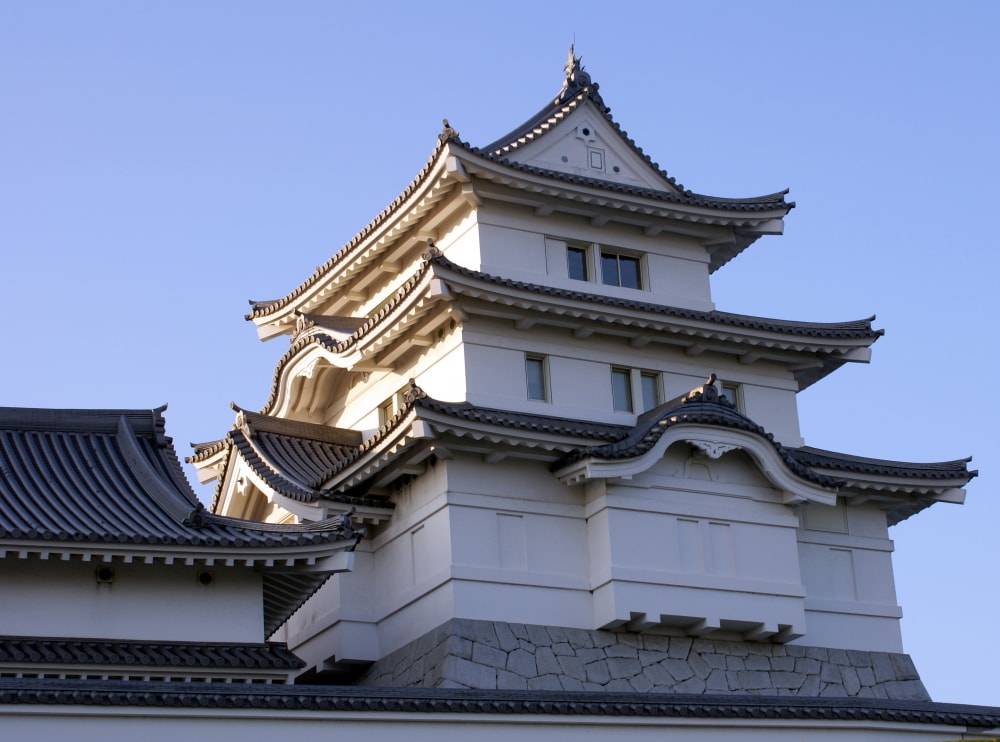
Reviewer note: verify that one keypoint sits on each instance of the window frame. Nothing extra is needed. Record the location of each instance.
(607, 252)
(584, 252)
(589, 256)
(635, 390)
(391, 406)
(543, 376)
(619, 372)
(657, 379)
(737, 395)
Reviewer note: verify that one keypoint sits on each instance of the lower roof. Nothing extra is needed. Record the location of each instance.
(563, 441)
(362, 699)
(111, 478)
(175, 657)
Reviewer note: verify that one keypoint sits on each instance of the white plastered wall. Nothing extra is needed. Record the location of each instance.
(695, 539)
(142, 602)
(846, 558)
(579, 376)
(514, 243)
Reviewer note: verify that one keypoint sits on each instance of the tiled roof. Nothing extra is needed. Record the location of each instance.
(820, 459)
(278, 698)
(278, 464)
(570, 99)
(294, 458)
(110, 480)
(264, 308)
(702, 408)
(583, 429)
(282, 461)
(112, 477)
(175, 655)
(577, 89)
(855, 329)
(306, 453)
(770, 202)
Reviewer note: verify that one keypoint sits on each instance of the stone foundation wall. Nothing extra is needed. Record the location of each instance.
(491, 654)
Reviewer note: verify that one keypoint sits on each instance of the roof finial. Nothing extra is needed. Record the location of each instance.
(447, 133)
(576, 78)
(571, 61)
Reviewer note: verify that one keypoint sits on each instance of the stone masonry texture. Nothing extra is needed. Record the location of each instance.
(463, 653)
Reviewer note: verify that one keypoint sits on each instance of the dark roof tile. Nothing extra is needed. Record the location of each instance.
(597, 704)
(820, 459)
(854, 329)
(569, 99)
(698, 408)
(578, 89)
(67, 651)
(112, 477)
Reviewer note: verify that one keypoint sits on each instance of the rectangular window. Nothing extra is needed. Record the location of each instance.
(590, 261)
(391, 406)
(734, 394)
(621, 389)
(535, 373)
(650, 385)
(629, 385)
(576, 259)
(620, 270)
(385, 412)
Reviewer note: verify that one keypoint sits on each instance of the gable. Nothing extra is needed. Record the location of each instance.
(586, 144)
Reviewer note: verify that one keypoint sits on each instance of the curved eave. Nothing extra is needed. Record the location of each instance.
(411, 319)
(427, 428)
(621, 202)
(367, 247)
(900, 496)
(825, 346)
(267, 475)
(250, 464)
(497, 435)
(716, 441)
(901, 488)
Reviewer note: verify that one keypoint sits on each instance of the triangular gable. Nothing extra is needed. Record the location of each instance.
(586, 144)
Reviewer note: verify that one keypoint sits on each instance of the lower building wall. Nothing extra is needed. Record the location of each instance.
(463, 653)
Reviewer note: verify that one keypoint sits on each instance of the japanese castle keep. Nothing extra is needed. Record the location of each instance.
(520, 450)
(516, 377)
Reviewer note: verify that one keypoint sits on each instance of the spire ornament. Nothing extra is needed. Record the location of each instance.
(447, 133)
(576, 77)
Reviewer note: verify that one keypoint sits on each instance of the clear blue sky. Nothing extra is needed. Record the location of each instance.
(163, 162)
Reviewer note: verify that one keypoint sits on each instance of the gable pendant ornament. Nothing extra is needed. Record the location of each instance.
(712, 449)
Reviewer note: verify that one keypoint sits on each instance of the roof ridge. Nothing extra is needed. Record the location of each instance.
(261, 422)
(142, 421)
